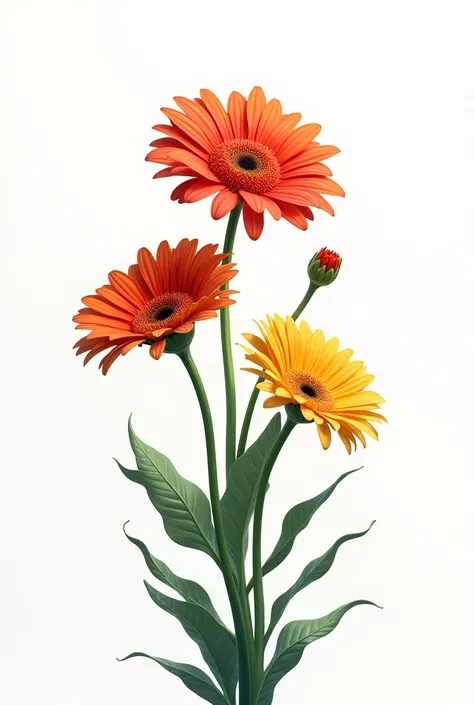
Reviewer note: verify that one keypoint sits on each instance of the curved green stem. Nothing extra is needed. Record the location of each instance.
(229, 376)
(304, 301)
(257, 547)
(255, 392)
(237, 613)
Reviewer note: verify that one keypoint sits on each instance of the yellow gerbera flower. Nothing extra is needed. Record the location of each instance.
(302, 368)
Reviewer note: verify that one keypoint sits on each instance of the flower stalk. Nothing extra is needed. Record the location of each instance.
(259, 604)
(229, 374)
(244, 643)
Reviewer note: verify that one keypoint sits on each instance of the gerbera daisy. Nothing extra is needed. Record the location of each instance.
(251, 152)
(302, 368)
(158, 297)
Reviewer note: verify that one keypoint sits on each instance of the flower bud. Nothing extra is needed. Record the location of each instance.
(324, 267)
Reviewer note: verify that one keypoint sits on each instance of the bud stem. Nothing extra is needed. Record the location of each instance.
(305, 300)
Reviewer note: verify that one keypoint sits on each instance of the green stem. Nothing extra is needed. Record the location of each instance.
(304, 301)
(244, 601)
(229, 375)
(257, 547)
(237, 613)
(255, 392)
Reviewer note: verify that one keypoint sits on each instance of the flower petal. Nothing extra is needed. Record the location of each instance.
(223, 203)
(253, 222)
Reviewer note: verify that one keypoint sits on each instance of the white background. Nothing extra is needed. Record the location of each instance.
(390, 84)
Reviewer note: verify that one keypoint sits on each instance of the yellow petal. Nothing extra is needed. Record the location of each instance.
(293, 343)
(257, 342)
(281, 392)
(343, 435)
(266, 387)
(340, 361)
(324, 435)
(271, 402)
(266, 374)
(307, 413)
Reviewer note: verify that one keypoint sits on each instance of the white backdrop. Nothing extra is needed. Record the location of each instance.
(390, 84)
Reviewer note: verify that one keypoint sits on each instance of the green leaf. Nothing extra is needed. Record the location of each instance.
(188, 589)
(293, 640)
(294, 522)
(183, 505)
(238, 501)
(192, 677)
(217, 644)
(313, 571)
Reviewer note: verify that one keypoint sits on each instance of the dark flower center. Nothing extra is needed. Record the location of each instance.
(163, 313)
(309, 391)
(247, 162)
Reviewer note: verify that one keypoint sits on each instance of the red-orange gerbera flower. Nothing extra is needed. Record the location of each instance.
(158, 297)
(251, 151)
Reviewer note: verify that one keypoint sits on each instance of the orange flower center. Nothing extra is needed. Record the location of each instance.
(312, 389)
(245, 165)
(161, 312)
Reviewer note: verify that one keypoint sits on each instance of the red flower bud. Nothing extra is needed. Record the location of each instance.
(324, 267)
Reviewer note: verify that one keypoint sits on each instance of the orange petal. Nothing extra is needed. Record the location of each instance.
(255, 201)
(200, 117)
(148, 270)
(182, 138)
(189, 127)
(253, 222)
(272, 207)
(223, 203)
(284, 129)
(216, 109)
(157, 349)
(127, 287)
(270, 117)
(194, 162)
(98, 304)
(291, 193)
(311, 155)
(184, 328)
(174, 171)
(200, 188)
(315, 169)
(237, 109)
(256, 104)
(109, 293)
(293, 215)
(109, 359)
(297, 141)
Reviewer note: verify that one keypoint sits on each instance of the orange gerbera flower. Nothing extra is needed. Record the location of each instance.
(251, 151)
(157, 298)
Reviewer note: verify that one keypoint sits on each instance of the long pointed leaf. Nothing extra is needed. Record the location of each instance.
(294, 522)
(192, 677)
(293, 640)
(238, 501)
(183, 505)
(188, 589)
(313, 571)
(217, 645)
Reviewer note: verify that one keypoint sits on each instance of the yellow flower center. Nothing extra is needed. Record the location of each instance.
(245, 165)
(313, 390)
(161, 312)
